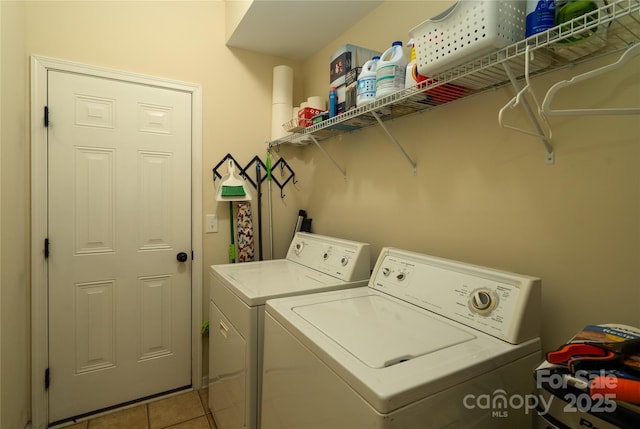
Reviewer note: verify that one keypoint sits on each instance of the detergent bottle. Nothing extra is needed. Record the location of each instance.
(391, 69)
(541, 16)
(366, 90)
(412, 77)
(580, 43)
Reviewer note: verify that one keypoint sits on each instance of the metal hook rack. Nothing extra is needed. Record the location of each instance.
(286, 172)
(282, 164)
(260, 166)
(227, 157)
(262, 174)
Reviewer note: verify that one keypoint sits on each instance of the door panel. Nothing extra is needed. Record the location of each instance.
(119, 212)
(95, 200)
(94, 326)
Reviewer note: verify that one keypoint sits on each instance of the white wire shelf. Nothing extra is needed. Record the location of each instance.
(551, 51)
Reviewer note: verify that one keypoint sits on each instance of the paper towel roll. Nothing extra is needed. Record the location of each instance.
(280, 113)
(282, 85)
(304, 104)
(317, 102)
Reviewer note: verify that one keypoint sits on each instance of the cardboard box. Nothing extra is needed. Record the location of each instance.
(305, 115)
(346, 58)
(342, 98)
(319, 118)
(351, 96)
(352, 76)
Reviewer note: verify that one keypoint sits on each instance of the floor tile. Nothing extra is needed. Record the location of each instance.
(132, 418)
(82, 425)
(176, 409)
(204, 398)
(212, 424)
(197, 423)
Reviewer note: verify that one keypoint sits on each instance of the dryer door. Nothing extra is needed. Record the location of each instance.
(227, 372)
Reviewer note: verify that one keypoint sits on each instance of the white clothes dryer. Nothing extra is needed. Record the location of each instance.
(430, 343)
(238, 293)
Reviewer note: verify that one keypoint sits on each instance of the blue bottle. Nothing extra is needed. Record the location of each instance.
(333, 102)
(541, 16)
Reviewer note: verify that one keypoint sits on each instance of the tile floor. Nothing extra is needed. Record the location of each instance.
(187, 410)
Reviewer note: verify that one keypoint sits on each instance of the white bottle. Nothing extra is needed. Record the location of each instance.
(390, 73)
(366, 90)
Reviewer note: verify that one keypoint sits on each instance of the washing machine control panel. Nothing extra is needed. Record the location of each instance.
(344, 259)
(496, 302)
(483, 301)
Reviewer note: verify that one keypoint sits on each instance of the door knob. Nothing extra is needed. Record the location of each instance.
(182, 257)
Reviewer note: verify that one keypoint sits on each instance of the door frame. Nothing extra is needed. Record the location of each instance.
(39, 213)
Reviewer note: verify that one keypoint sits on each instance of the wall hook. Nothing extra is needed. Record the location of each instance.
(286, 172)
(217, 175)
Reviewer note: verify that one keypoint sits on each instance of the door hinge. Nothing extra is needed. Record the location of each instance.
(46, 116)
(46, 248)
(192, 255)
(46, 379)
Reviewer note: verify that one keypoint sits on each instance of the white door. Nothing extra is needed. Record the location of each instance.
(119, 216)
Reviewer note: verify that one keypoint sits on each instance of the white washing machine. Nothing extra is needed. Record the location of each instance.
(430, 343)
(238, 293)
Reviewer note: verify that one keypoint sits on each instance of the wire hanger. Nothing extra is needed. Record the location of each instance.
(629, 54)
(519, 98)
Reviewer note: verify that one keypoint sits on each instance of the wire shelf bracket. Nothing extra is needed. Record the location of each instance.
(329, 157)
(394, 141)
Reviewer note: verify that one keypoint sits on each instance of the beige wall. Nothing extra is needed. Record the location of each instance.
(15, 386)
(177, 40)
(482, 194)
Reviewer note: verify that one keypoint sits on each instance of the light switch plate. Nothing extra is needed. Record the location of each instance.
(211, 223)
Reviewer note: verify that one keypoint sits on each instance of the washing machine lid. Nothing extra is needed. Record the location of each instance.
(374, 329)
(256, 282)
(391, 352)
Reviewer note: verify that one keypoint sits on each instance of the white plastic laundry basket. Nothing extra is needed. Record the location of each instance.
(468, 29)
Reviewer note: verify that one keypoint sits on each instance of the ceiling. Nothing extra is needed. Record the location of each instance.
(295, 29)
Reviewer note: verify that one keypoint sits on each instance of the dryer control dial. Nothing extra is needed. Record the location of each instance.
(344, 261)
(298, 247)
(482, 301)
